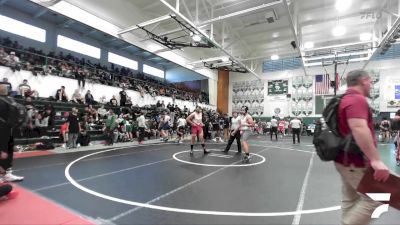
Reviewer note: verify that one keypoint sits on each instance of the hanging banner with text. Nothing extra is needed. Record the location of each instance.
(277, 87)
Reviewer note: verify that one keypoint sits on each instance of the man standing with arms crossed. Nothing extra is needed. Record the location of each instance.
(355, 117)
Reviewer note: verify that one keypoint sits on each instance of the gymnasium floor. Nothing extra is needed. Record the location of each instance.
(161, 184)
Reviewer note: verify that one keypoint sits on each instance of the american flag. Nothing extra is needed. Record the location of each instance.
(322, 84)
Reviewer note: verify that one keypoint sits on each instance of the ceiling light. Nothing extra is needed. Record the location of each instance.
(196, 38)
(308, 45)
(274, 57)
(365, 36)
(342, 5)
(339, 30)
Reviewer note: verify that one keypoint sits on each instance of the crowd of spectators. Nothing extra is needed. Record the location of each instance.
(117, 118)
(15, 56)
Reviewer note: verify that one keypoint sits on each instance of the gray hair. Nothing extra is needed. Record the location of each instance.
(353, 77)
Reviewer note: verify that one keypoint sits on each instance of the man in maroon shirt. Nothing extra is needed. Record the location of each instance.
(355, 117)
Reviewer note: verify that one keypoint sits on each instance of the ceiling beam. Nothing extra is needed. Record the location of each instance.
(241, 12)
(89, 32)
(143, 24)
(216, 8)
(205, 7)
(126, 46)
(187, 11)
(67, 23)
(152, 57)
(267, 56)
(40, 13)
(109, 41)
(384, 39)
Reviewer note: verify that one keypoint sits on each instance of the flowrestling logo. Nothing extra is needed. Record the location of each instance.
(380, 197)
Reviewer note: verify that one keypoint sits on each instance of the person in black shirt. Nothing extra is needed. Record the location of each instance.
(226, 127)
(80, 76)
(74, 128)
(113, 101)
(216, 127)
(123, 96)
(61, 95)
(89, 100)
(6, 141)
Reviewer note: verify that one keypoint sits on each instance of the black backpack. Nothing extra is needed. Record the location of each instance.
(17, 115)
(327, 139)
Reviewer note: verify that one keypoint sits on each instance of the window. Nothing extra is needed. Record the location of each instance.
(23, 29)
(120, 60)
(153, 71)
(77, 46)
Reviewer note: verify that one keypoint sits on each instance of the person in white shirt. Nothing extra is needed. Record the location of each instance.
(274, 127)
(181, 124)
(141, 120)
(13, 62)
(286, 127)
(269, 127)
(295, 125)
(196, 122)
(234, 125)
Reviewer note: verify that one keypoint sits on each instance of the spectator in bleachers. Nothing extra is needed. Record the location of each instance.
(73, 127)
(61, 95)
(92, 112)
(169, 107)
(128, 102)
(77, 97)
(12, 61)
(8, 84)
(113, 101)
(102, 112)
(3, 56)
(80, 76)
(41, 124)
(83, 138)
(153, 128)
(25, 89)
(122, 96)
(89, 100)
(49, 111)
